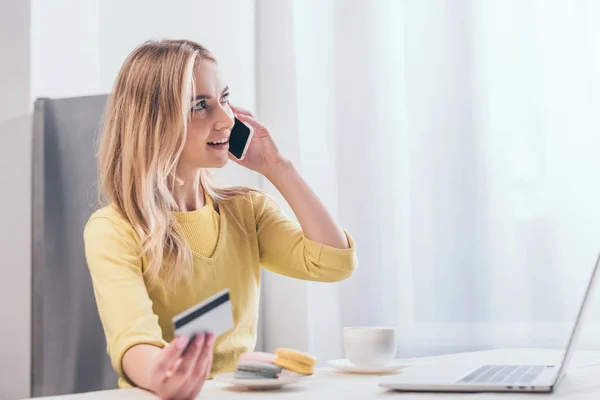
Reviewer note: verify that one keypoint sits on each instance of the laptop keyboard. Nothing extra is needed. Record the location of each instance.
(511, 374)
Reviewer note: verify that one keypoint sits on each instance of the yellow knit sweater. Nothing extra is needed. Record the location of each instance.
(229, 248)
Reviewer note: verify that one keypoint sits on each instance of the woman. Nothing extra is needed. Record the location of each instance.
(167, 238)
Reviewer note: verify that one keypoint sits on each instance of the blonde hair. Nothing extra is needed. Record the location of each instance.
(142, 137)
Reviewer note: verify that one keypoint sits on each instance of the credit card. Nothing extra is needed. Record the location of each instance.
(214, 314)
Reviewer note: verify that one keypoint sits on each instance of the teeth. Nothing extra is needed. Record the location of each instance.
(219, 142)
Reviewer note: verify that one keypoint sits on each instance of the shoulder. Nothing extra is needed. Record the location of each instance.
(252, 201)
(110, 242)
(108, 222)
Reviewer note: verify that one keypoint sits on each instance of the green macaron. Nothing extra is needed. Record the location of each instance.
(256, 370)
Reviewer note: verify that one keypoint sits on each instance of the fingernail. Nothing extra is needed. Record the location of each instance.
(210, 340)
(181, 342)
(199, 339)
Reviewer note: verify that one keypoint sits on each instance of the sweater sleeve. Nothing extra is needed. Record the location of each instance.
(285, 250)
(121, 296)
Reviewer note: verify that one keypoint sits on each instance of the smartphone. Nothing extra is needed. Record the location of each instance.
(239, 140)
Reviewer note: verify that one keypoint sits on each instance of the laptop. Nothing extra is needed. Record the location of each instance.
(493, 378)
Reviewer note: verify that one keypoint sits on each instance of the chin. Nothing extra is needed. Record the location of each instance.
(218, 163)
(223, 163)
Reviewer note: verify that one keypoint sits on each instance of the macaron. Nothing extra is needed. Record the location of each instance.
(251, 375)
(256, 370)
(257, 356)
(295, 361)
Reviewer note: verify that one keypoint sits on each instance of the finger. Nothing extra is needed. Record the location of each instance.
(191, 341)
(196, 380)
(172, 369)
(168, 356)
(209, 361)
(188, 361)
(245, 118)
(178, 385)
(259, 129)
(206, 362)
(248, 120)
(203, 365)
(241, 111)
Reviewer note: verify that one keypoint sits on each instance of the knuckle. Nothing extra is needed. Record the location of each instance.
(182, 370)
(198, 367)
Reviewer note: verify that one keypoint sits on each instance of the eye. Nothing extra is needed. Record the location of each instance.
(225, 98)
(201, 105)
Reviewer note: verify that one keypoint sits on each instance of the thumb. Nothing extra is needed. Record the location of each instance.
(232, 158)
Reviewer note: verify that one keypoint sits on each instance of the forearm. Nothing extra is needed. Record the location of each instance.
(316, 222)
(136, 362)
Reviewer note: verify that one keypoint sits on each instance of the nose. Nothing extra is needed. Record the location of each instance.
(224, 118)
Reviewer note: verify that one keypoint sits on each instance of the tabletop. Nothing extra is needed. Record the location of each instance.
(581, 381)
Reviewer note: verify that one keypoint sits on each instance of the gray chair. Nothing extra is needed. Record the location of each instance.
(68, 344)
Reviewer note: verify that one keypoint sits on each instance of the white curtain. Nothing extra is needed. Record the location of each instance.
(459, 143)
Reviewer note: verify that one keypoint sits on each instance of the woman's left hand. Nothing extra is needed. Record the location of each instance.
(262, 155)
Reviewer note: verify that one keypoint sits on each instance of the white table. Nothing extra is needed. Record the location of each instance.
(582, 382)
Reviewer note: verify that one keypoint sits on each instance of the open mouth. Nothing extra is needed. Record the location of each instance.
(219, 142)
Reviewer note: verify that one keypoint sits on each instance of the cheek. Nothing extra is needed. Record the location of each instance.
(195, 139)
(197, 131)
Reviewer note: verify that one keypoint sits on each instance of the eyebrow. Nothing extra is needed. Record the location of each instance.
(207, 96)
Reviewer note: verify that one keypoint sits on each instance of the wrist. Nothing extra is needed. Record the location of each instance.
(279, 171)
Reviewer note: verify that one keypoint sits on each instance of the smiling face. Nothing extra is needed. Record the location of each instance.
(211, 121)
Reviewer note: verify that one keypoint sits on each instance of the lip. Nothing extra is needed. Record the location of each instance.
(226, 138)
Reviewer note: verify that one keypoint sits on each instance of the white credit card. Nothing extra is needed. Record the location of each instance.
(214, 315)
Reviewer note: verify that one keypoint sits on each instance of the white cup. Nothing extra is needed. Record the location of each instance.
(370, 346)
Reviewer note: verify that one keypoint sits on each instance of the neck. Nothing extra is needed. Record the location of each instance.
(189, 193)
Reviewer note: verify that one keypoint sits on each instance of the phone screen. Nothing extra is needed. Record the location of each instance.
(239, 138)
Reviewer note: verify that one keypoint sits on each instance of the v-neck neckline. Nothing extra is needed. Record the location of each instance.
(220, 239)
(187, 216)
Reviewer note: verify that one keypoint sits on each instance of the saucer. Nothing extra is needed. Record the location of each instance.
(257, 384)
(346, 366)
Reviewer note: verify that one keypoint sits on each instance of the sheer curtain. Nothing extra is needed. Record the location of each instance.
(458, 142)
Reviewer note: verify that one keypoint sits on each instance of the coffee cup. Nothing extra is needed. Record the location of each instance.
(370, 346)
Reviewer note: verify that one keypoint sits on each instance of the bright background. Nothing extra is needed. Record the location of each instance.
(457, 141)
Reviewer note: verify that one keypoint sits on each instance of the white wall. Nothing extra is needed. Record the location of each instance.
(292, 37)
(277, 108)
(15, 205)
(81, 55)
(65, 56)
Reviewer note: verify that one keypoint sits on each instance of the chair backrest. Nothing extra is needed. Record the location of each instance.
(68, 344)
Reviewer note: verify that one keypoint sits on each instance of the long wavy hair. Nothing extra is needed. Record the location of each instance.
(142, 137)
